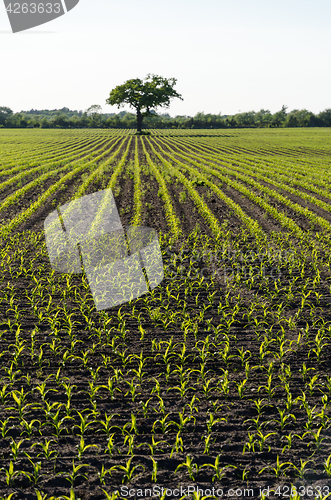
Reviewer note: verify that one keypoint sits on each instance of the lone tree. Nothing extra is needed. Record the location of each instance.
(144, 95)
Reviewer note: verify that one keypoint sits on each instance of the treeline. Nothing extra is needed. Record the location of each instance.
(65, 118)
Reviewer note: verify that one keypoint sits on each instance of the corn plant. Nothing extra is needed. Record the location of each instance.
(154, 446)
(218, 470)
(192, 467)
(72, 477)
(128, 470)
(11, 474)
(279, 469)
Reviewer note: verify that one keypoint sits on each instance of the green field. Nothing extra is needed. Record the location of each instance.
(218, 378)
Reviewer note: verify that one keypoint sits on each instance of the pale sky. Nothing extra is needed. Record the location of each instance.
(227, 55)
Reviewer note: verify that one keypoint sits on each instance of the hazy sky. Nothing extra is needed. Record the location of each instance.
(227, 55)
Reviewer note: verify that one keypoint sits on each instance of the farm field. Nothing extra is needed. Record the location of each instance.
(218, 378)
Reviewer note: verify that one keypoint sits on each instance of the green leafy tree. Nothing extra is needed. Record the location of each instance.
(263, 118)
(144, 96)
(278, 118)
(94, 113)
(324, 118)
(5, 115)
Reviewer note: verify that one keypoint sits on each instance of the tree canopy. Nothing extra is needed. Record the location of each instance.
(5, 113)
(144, 95)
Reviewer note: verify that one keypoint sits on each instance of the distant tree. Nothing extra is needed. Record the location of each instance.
(5, 115)
(301, 118)
(94, 113)
(263, 118)
(278, 119)
(292, 119)
(44, 123)
(95, 109)
(324, 118)
(60, 121)
(245, 119)
(144, 96)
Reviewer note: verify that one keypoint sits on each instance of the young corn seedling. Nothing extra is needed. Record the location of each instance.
(81, 448)
(241, 388)
(268, 387)
(218, 470)
(178, 446)
(289, 438)
(43, 496)
(133, 389)
(132, 425)
(317, 437)
(71, 497)
(144, 406)
(36, 475)
(259, 405)
(289, 401)
(130, 440)
(183, 421)
(250, 444)
(106, 424)
(207, 388)
(11, 374)
(224, 383)
(48, 454)
(154, 446)
(11, 474)
(244, 356)
(93, 391)
(212, 422)
(304, 371)
(4, 394)
(324, 418)
(140, 373)
(279, 469)
(3, 426)
(154, 471)
(110, 387)
(84, 424)
(163, 424)
(207, 443)
(327, 465)
(191, 406)
(41, 388)
(192, 467)
(302, 470)
(74, 474)
(311, 414)
(103, 473)
(283, 419)
(110, 445)
(29, 427)
(15, 448)
(94, 373)
(161, 406)
(57, 423)
(262, 438)
(128, 470)
(112, 496)
(244, 475)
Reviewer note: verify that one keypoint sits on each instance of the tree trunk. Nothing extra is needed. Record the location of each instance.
(139, 120)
